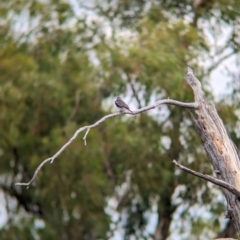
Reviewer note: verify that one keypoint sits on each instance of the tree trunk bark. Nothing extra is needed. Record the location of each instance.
(229, 231)
(162, 229)
(220, 150)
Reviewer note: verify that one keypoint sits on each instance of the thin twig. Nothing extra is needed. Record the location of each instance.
(208, 178)
(84, 138)
(193, 105)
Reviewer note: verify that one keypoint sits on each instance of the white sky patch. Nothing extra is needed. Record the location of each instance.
(217, 38)
(220, 78)
(166, 142)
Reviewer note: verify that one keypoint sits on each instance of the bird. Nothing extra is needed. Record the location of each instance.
(121, 104)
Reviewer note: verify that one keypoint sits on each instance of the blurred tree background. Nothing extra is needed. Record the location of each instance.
(62, 64)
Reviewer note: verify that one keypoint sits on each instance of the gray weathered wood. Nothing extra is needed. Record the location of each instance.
(220, 150)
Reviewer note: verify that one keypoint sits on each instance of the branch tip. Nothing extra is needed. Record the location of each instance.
(85, 136)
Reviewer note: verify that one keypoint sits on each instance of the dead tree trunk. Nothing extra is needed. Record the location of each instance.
(221, 151)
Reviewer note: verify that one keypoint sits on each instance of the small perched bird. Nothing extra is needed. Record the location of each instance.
(121, 104)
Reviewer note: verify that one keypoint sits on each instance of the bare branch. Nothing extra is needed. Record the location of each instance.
(208, 178)
(193, 105)
(84, 138)
(35, 173)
